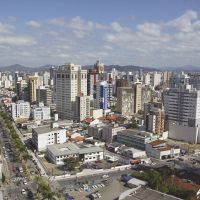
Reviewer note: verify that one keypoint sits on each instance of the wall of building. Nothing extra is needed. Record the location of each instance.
(184, 133)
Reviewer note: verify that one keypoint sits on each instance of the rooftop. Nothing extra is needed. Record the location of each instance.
(71, 148)
(149, 194)
(183, 184)
(45, 129)
(157, 142)
(136, 133)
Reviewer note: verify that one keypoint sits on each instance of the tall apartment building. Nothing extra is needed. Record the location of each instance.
(121, 83)
(156, 79)
(20, 88)
(46, 78)
(125, 100)
(33, 84)
(182, 106)
(138, 97)
(101, 95)
(92, 79)
(155, 121)
(44, 94)
(99, 67)
(82, 107)
(70, 82)
(146, 95)
(20, 110)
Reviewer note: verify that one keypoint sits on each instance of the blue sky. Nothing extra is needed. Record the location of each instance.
(154, 33)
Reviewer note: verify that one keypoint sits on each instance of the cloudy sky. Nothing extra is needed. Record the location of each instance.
(154, 33)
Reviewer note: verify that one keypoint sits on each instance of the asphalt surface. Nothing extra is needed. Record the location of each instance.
(69, 184)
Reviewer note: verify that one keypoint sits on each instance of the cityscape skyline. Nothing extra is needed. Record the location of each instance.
(38, 33)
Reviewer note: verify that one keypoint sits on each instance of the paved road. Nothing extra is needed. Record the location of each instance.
(11, 165)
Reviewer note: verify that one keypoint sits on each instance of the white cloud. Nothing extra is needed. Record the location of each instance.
(116, 27)
(57, 21)
(107, 47)
(34, 24)
(17, 41)
(80, 24)
(149, 28)
(6, 28)
(80, 34)
(172, 42)
(184, 22)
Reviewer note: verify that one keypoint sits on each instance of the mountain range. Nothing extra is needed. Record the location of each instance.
(18, 67)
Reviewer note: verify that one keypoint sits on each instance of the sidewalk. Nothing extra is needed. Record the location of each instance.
(90, 172)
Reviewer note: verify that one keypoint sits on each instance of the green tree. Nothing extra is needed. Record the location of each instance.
(44, 190)
(154, 179)
(3, 178)
(71, 163)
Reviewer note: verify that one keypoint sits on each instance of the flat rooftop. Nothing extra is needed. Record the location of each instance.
(148, 194)
(135, 133)
(71, 148)
(45, 129)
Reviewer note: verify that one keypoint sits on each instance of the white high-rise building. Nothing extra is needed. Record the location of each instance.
(46, 78)
(182, 106)
(156, 79)
(147, 79)
(20, 110)
(71, 81)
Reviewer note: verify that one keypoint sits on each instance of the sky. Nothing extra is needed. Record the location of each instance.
(156, 33)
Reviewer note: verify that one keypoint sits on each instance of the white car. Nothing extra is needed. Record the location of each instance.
(105, 176)
(23, 191)
(21, 170)
(25, 182)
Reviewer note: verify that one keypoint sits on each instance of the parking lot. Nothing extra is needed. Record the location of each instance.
(109, 189)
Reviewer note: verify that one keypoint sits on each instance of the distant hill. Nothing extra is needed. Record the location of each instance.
(186, 68)
(18, 67)
(13, 68)
(125, 68)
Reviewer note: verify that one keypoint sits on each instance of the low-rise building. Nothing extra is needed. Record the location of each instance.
(41, 112)
(47, 135)
(109, 133)
(96, 130)
(133, 153)
(85, 153)
(159, 149)
(115, 146)
(135, 138)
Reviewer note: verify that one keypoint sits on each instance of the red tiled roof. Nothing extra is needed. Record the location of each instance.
(173, 180)
(157, 142)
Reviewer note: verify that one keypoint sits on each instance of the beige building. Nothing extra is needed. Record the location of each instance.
(155, 121)
(82, 107)
(125, 101)
(70, 81)
(138, 97)
(33, 84)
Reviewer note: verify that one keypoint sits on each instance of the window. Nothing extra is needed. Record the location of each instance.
(58, 76)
